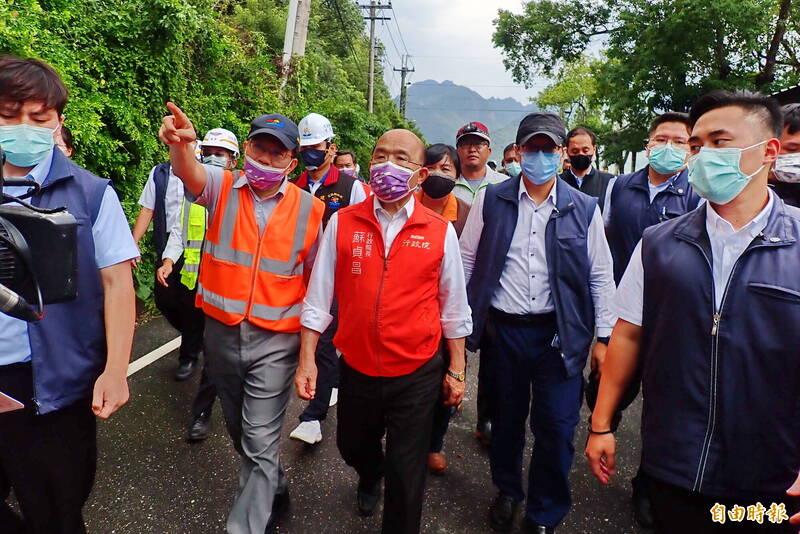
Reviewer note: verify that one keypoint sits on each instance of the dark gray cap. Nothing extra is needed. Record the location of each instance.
(276, 125)
(545, 123)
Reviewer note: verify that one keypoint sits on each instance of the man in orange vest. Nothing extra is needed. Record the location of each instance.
(395, 269)
(263, 234)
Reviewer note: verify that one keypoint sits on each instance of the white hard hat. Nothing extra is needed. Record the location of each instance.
(314, 128)
(222, 138)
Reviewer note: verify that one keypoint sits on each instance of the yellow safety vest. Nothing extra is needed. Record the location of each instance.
(193, 225)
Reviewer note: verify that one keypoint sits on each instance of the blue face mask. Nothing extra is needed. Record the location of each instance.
(540, 167)
(715, 173)
(667, 158)
(26, 145)
(514, 169)
(313, 158)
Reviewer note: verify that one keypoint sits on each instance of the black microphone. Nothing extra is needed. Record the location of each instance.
(16, 306)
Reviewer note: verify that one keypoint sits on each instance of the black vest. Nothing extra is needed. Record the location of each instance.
(334, 191)
(593, 184)
(160, 230)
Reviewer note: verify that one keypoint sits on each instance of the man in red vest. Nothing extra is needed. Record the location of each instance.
(395, 269)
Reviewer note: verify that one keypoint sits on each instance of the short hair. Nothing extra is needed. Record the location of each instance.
(66, 134)
(345, 153)
(670, 116)
(581, 130)
(791, 117)
(436, 153)
(765, 108)
(25, 80)
(509, 147)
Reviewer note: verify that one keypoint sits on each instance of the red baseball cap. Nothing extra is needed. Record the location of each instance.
(473, 128)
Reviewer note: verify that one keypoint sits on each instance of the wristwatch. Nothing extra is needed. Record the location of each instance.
(462, 376)
(604, 340)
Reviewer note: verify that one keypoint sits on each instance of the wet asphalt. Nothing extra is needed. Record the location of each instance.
(150, 480)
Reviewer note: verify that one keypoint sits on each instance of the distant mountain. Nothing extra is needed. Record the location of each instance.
(440, 109)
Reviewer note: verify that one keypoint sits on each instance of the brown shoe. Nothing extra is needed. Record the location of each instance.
(437, 463)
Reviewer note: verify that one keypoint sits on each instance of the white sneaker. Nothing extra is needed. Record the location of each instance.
(334, 397)
(307, 431)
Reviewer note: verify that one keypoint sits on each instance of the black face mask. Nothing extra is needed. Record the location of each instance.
(581, 162)
(438, 185)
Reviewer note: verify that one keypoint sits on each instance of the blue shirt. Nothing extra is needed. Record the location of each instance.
(113, 244)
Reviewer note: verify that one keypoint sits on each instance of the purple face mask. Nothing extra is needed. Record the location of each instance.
(389, 182)
(349, 171)
(260, 176)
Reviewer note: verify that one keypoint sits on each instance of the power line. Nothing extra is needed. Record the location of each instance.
(428, 108)
(398, 30)
(335, 5)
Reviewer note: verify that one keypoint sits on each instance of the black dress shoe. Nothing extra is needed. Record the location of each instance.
(200, 428)
(367, 498)
(280, 506)
(502, 513)
(642, 507)
(535, 528)
(185, 370)
(484, 432)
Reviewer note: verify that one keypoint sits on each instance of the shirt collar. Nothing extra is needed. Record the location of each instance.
(666, 184)
(585, 176)
(716, 225)
(408, 207)
(551, 197)
(40, 171)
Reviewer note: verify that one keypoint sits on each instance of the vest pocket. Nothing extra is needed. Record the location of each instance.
(778, 292)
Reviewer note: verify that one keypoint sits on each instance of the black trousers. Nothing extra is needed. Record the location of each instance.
(678, 510)
(441, 413)
(402, 408)
(206, 393)
(49, 460)
(327, 372)
(176, 304)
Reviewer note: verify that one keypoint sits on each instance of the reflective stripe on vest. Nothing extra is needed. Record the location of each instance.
(193, 226)
(257, 273)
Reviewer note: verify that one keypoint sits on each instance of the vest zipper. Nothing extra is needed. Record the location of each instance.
(712, 411)
(256, 260)
(378, 306)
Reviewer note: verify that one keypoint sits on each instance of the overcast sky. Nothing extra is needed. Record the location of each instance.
(451, 40)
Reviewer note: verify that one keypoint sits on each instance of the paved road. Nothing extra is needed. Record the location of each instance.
(150, 480)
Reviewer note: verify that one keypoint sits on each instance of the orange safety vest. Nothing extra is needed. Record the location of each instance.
(244, 275)
(389, 316)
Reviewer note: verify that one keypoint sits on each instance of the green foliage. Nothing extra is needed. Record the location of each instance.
(658, 55)
(217, 59)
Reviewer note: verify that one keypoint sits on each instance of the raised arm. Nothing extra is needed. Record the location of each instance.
(178, 132)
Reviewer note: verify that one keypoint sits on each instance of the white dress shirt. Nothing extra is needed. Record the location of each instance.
(653, 190)
(524, 286)
(727, 245)
(456, 317)
(172, 200)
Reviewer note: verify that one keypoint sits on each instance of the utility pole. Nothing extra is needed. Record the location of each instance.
(403, 91)
(373, 7)
(294, 40)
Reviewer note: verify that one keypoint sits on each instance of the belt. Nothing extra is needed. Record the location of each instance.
(531, 318)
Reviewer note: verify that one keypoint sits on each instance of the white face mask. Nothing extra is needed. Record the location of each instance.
(787, 168)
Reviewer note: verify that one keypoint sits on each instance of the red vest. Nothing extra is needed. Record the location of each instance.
(389, 317)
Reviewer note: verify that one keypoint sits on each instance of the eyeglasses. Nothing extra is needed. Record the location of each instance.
(656, 141)
(472, 143)
(401, 160)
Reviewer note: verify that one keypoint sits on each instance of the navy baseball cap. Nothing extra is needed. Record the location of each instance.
(537, 123)
(278, 126)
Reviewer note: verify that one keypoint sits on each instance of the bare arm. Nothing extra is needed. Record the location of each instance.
(142, 224)
(111, 388)
(454, 389)
(618, 369)
(305, 381)
(178, 132)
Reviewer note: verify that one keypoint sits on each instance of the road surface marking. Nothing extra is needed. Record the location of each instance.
(150, 357)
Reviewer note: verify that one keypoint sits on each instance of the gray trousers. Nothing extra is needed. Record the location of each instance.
(253, 371)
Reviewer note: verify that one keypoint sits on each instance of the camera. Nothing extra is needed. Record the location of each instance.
(38, 252)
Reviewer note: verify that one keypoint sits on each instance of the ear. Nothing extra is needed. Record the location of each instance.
(772, 149)
(292, 166)
(422, 175)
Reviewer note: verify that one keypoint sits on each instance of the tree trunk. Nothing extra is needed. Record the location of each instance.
(767, 74)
